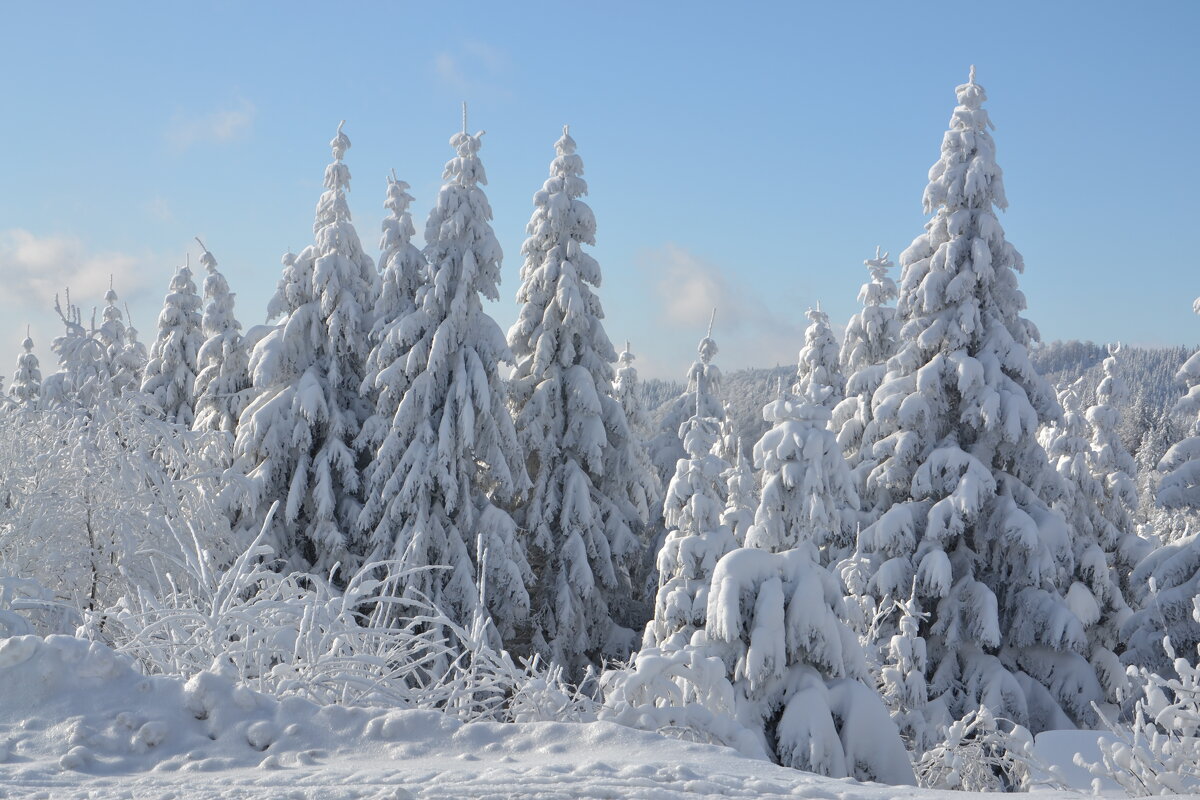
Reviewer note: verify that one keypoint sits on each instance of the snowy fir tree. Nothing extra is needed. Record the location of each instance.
(129, 363)
(704, 383)
(903, 677)
(223, 380)
(627, 390)
(741, 496)
(170, 376)
(1111, 463)
(808, 499)
(296, 437)
(696, 540)
(798, 673)
(26, 386)
(1180, 485)
(450, 460)
(402, 273)
(819, 360)
(581, 514)
(869, 342)
(966, 486)
(1095, 596)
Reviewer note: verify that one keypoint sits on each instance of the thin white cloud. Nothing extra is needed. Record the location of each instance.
(216, 127)
(35, 268)
(748, 331)
(472, 68)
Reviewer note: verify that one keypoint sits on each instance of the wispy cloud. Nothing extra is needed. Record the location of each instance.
(188, 129)
(747, 329)
(35, 268)
(473, 68)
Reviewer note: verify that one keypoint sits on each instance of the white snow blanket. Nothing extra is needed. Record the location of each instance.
(78, 721)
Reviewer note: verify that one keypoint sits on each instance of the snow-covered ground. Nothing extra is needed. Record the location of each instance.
(77, 721)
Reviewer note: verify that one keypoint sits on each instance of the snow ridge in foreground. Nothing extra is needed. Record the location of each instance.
(77, 720)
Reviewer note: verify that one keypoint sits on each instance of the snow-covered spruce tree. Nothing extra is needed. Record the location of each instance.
(1163, 588)
(741, 497)
(703, 381)
(1095, 596)
(966, 487)
(581, 514)
(26, 386)
(869, 342)
(295, 438)
(903, 677)
(798, 673)
(1112, 465)
(450, 457)
(1180, 485)
(170, 376)
(808, 498)
(403, 272)
(129, 363)
(697, 539)
(627, 390)
(819, 360)
(223, 381)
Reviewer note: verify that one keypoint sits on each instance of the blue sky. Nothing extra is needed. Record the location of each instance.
(751, 156)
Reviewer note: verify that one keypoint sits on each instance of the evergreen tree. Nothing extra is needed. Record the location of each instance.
(903, 678)
(798, 673)
(403, 273)
(703, 386)
(1095, 596)
(1180, 485)
(869, 342)
(819, 361)
(296, 437)
(1110, 462)
(450, 455)
(966, 487)
(26, 386)
(223, 380)
(170, 375)
(741, 497)
(627, 390)
(581, 514)
(698, 538)
(808, 497)
(129, 363)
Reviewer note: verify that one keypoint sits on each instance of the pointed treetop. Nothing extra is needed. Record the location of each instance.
(627, 357)
(565, 146)
(972, 95)
(464, 130)
(28, 343)
(708, 347)
(206, 258)
(340, 143)
(880, 260)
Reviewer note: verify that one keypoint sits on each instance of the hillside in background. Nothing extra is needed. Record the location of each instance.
(1147, 425)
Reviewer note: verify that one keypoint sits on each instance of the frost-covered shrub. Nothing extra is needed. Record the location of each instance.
(1159, 752)
(981, 753)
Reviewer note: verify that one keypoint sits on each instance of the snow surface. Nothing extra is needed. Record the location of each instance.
(77, 720)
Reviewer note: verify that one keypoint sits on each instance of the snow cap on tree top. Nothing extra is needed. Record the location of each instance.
(971, 94)
(565, 146)
(207, 260)
(627, 357)
(707, 348)
(340, 143)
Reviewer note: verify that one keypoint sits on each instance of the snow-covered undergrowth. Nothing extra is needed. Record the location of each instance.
(78, 720)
